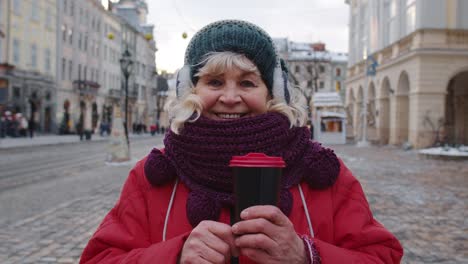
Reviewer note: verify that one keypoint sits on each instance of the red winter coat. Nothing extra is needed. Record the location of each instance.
(345, 230)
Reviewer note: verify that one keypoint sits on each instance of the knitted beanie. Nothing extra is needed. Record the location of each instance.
(239, 37)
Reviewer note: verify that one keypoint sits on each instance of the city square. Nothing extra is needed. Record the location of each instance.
(422, 201)
(90, 87)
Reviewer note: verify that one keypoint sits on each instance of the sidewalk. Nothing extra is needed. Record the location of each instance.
(42, 140)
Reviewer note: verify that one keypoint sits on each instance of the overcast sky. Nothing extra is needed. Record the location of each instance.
(299, 20)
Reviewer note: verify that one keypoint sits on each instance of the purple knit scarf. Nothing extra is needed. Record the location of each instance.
(200, 156)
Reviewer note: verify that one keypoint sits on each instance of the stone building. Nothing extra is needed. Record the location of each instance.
(320, 75)
(419, 94)
(313, 67)
(28, 60)
(80, 39)
(139, 40)
(92, 39)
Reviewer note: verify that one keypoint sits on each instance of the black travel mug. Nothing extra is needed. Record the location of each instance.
(257, 180)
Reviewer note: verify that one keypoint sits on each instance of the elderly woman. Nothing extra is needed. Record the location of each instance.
(233, 98)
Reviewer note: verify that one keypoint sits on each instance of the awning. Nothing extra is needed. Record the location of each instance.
(331, 114)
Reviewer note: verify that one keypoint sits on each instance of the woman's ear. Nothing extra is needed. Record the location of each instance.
(183, 80)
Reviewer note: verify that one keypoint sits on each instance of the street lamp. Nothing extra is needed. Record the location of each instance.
(126, 64)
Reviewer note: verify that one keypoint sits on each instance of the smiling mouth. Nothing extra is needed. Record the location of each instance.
(229, 116)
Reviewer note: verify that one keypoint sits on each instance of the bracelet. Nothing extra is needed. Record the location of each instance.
(313, 256)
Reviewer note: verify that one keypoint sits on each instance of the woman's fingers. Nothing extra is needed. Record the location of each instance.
(196, 251)
(256, 241)
(257, 225)
(266, 235)
(272, 213)
(210, 241)
(224, 233)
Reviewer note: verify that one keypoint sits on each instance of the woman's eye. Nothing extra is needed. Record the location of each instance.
(215, 82)
(247, 83)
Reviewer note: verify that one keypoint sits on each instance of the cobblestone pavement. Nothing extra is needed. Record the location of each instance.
(423, 202)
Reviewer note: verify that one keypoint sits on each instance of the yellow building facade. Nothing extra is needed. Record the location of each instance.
(28, 67)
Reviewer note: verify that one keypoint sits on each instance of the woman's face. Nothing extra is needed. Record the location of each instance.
(233, 94)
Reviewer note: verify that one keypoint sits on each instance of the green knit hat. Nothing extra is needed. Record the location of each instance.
(239, 37)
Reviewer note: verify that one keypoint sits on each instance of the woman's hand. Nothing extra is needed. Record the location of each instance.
(267, 236)
(209, 242)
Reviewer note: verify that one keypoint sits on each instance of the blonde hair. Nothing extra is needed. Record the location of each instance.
(188, 107)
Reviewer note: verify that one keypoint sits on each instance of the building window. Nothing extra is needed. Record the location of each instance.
(85, 72)
(79, 72)
(72, 8)
(16, 92)
(363, 26)
(104, 79)
(297, 69)
(105, 53)
(48, 16)
(393, 26)
(79, 40)
(85, 44)
(338, 86)
(64, 33)
(309, 84)
(338, 72)
(309, 68)
(322, 85)
(70, 70)
(35, 10)
(16, 51)
(33, 55)
(321, 69)
(65, 5)
(70, 36)
(64, 66)
(47, 56)
(410, 16)
(17, 7)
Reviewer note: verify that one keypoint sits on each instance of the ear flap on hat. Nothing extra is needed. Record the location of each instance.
(183, 80)
(280, 83)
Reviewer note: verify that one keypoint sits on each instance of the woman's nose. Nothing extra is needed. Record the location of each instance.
(230, 96)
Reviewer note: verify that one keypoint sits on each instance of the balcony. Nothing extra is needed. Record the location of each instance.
(85, 87)
(115, 93)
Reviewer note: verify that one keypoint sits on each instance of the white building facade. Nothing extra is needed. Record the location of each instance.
(419, 93)
(139, 40)
(92, 39)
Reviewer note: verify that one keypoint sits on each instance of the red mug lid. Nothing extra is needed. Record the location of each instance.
(257, 160)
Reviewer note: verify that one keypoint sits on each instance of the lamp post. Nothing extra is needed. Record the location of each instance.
(371, 65)
(126, 64)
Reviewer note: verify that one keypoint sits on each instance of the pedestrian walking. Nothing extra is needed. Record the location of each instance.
(31, 126)
(80, 126)
(233, 98)
(3, 125)
(22, 125)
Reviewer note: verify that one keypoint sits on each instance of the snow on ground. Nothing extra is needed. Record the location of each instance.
(446, 151)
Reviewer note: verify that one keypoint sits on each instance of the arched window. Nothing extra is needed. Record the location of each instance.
(338, 71)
